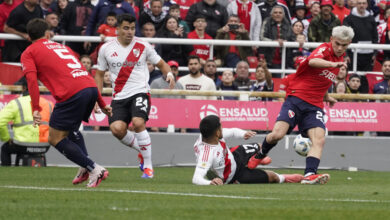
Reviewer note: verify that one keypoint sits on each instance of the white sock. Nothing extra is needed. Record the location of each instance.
(281, 178)
(145, 146)
(130, 140)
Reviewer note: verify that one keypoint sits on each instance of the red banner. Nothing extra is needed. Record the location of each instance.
(256, 115)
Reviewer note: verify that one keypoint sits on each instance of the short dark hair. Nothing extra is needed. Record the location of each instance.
(111, 14)
(354, 76)
(36, 28)
(209, 125)
(174, 6)
(192, 57)
(125, 17)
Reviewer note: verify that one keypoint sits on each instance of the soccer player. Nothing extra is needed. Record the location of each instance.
(229, 165)
(75, 92)
(304, 103)
(125, 57)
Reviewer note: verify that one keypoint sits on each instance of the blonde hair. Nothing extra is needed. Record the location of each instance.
(343, 33)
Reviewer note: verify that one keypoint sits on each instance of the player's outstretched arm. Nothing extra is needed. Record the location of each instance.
(321, 63)
(166, 70)
(99, 79)
(237, 133)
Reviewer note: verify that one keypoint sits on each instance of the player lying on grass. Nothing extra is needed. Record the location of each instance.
(229, 165)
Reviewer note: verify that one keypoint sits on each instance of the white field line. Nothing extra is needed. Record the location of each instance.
(189, 194)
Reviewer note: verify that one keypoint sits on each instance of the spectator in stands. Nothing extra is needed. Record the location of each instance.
(320, 28)
(266, 7)
(298, 27)
(340, 11)
(383, 36)
(263, 82)
(242, 76)
(315, 10)
(298, 52)
(249, 15)
(166, 4)
(215, 14)
(100, 12)
(229, 56)
(341, 77)
(61, 6)
(227, 84)
(154, 14)
(109, 28)
(196, 80)
(175, 52)
(153, 73)
(148, 30)
(107, 80)
(384, 86)
(174, 11)
(161, 82)
(74, 22)
(86, 61)
(340, 88)
(52, 19)
(300, 15)
(5, 9)
(210, 70)
(45, 6)
(19, 111)
(202, 51)
(354, 84)
(276, 28)
(351, 4)
(358, 19)
(16, 24)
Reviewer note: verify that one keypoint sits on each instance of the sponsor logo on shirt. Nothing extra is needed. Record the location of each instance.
(193, 87)
(78, 73)
(126, 64)
(328, 74)
(114, 54)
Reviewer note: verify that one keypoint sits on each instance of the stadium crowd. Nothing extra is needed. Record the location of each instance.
(265, 20)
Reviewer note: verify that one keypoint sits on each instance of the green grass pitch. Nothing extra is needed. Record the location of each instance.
(47, 193)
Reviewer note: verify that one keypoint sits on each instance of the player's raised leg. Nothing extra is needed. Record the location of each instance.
(278, 132)
(317, 136)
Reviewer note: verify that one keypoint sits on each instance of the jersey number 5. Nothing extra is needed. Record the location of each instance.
(64, 54)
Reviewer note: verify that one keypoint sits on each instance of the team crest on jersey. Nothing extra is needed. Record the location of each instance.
(291, 114)
(136, 52)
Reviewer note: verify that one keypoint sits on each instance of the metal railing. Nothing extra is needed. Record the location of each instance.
(212, 43)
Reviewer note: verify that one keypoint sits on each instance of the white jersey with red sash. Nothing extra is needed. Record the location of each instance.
(216, 158)
(127, 65)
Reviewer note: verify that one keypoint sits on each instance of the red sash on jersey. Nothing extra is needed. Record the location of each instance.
(228, 163)
(127, 69)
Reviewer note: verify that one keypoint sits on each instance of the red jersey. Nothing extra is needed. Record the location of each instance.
(202, 51)
(107, 30)
(285, 84)
(311, 84)
(57, 68)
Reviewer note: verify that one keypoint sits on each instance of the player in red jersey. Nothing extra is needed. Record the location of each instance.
(303, 106)
(75, 92)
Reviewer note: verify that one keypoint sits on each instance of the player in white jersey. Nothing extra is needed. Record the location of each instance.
(229, 165)
(125, 58)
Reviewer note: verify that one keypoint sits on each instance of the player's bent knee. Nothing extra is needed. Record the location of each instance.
(139, 124)
(118, 130)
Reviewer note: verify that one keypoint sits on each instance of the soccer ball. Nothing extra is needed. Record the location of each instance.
(302, 145)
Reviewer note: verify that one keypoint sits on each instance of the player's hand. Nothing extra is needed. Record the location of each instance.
(216, 181)
(171, 80)
(107, 110)
(96, 109)
(331, 101)
(36, 118)
(249, 134)
(340, 64)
